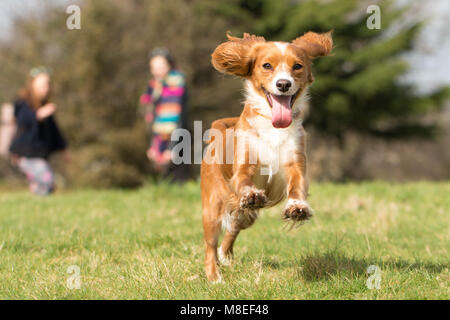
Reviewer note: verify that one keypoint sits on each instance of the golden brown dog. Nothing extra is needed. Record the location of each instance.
(258, 159)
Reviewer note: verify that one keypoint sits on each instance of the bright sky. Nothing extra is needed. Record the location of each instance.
(430, 62)
(11, 8)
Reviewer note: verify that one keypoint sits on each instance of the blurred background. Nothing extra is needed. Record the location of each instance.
(379, 105)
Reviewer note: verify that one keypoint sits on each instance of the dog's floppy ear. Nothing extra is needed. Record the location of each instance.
(315, 44)
(235, 55)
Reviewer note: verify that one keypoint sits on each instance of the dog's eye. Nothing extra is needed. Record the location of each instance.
(267, 66)
(297, 66)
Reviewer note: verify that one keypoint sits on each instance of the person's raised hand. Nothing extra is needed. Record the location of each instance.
(166, 157)
(45, 111)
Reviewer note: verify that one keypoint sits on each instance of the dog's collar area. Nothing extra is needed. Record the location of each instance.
(262, 115)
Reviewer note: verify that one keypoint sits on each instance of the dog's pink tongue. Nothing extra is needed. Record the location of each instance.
(281, 111)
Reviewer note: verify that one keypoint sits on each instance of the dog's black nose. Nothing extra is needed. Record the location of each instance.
(283, 85)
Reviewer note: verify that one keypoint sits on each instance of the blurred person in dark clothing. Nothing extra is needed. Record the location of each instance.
(38, 135)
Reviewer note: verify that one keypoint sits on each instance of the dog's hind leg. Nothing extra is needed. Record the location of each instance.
(212, 230)
(225, 252)
(234, 223)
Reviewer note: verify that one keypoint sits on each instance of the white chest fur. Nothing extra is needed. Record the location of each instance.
(272, 146)
(275, 147)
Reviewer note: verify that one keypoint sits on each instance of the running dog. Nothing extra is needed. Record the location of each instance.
(271, 165)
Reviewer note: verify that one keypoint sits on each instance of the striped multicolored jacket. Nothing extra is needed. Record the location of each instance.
(164, 108)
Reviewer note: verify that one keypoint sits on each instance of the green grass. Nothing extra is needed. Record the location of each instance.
(147, 244)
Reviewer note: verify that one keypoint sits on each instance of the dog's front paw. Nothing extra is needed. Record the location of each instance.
(252, 198)
(297, 210)
(225, 259)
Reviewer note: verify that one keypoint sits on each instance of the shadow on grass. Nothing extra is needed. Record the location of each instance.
(315, 267)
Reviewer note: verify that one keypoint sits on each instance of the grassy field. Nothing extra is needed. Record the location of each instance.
(147, 244)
